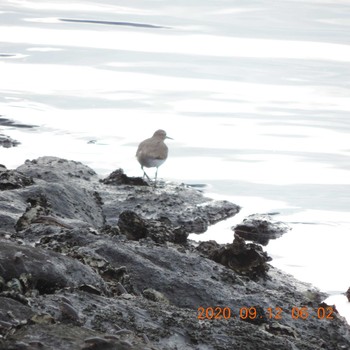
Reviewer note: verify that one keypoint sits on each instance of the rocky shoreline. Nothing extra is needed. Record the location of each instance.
(91, 264)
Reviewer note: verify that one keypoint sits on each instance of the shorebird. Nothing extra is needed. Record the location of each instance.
(153, 152)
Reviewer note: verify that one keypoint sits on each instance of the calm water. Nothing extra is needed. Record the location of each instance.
(255, 95)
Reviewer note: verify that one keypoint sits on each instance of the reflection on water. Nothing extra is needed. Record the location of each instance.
(127, 24)
(255, 95)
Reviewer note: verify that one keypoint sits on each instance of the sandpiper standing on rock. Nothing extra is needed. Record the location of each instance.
(153, 152)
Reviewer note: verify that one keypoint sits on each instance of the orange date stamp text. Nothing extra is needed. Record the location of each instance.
(252, 313)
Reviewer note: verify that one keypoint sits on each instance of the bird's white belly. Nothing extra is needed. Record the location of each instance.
(153, 163)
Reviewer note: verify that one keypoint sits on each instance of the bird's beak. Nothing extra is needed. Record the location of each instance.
(167, 137)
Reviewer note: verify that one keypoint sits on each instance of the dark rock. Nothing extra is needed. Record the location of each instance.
(11, 179)
(208, 248)
(9, 122)
(62, 336)
(118, 177)
(136, 228)
(245, 259)
(110, 230)
(36, 208)
(53, 169)
(260, 228)
(65, 202)
(348, 294)
(90, 289)
(50, 271)
(177, 205)
(154, 295)
(64, 189)
(132, 225)
(7, 142)
(56, 237)
(71, 279)
(13, 312)
(69, 313)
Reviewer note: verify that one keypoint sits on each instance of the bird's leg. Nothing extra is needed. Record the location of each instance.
(144, 174)
(155, 177)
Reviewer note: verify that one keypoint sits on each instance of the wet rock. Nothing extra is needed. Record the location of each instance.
(71, 279)
(9, 122)
(260, 228)
(176, 205)
(245, 259)
(8, 142)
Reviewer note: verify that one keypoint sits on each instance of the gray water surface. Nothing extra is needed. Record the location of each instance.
(255, 95)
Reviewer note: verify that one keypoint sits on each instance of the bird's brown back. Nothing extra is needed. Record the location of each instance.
(151, 148)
